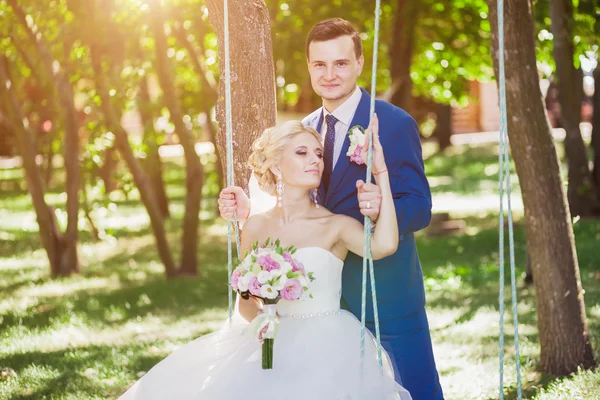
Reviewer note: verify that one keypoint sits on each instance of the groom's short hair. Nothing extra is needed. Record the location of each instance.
(333, 28)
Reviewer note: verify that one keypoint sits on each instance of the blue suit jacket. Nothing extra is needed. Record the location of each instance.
(399, 278)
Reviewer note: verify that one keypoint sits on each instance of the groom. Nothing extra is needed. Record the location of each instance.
(335, 61)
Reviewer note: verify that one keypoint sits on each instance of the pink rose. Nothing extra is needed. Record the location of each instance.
(296, 265)
(356, 156)
(292, 290)
(254, 287)
(235, 277)
(268, 263)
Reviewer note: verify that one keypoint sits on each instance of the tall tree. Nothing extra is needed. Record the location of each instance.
(562, 323)
(209, 86)
(252, 70)
(67, 261)
(152, 164)
(443, 126)
(583, 199)
(49, 232)
(194, 170)
(596, 128)
(98, 24)
(402, 51)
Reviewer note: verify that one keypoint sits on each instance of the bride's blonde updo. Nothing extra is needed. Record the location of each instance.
(266, 151)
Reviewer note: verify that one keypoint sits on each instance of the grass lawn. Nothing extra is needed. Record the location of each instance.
(90, 336)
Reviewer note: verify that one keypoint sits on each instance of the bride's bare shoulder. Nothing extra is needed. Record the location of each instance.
(326, 216)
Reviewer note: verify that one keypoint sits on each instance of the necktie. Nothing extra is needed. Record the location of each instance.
(329, 145)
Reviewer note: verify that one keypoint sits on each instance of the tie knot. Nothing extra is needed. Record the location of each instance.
(331, 120)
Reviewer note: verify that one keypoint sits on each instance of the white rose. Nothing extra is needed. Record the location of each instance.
(243, 282)
(286, 267)
(351, 149)
(279, 282)
(360, 138)
(264, 277)
(278, 258)
(247, 262)
(276, 273)
(303, 281)
(268, 292)
(255, 269)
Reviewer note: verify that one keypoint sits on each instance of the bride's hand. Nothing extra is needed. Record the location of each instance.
(378, 164)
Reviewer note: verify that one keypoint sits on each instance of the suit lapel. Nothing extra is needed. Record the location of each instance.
(361, 117)
(319, 122)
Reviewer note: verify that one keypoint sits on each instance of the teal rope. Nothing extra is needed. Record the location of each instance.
(367, 255)
(229, 138)
(504, 178)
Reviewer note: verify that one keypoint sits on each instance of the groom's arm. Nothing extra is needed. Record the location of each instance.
(410, 188)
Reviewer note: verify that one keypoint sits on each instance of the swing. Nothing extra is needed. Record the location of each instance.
(504, 178)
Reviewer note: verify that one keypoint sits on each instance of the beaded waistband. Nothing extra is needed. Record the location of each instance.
(312, 315)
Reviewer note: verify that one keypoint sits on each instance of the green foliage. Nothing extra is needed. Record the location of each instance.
(452, 44)
(585, 32)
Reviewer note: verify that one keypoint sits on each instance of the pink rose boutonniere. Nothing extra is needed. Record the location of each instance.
(358, 139)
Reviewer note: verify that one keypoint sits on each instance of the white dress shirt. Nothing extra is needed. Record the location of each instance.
(344, 114)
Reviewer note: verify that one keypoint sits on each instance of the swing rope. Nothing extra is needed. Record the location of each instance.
(229, 138)
(367, 255)
(504, 182)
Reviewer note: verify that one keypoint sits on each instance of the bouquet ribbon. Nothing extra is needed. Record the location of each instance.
(266, 324)
(265, 327)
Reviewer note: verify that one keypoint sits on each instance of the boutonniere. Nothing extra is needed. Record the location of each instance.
(358, 138)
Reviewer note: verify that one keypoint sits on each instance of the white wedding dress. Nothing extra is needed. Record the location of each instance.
(316, 354)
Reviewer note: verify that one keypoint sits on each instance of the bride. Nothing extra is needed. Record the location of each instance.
(317, 349)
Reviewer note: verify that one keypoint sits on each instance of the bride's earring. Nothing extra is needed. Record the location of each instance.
(279, 188)
(315, 193)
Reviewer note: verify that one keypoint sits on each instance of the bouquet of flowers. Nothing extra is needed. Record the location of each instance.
(270, 273)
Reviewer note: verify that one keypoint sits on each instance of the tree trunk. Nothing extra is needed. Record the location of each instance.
(122, 143)
(443, 126)
(139, 177)
(49, 232)
(208, 88)
(153, 163)
(596, 128)
(582, 196)
(85, 205)
(253, 99)
(48, 162)
(105, 172)
(51, 109)
(562, 323)
(72, 167)
(402, 50)
(69, 261)
(194, 169)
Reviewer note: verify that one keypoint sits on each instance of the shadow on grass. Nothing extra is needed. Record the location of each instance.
(473, 262)
(89, 370)
(171, 299)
